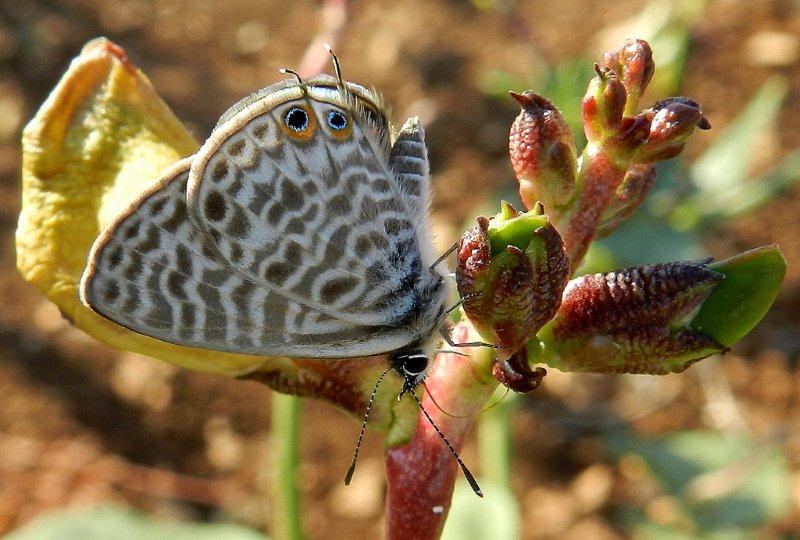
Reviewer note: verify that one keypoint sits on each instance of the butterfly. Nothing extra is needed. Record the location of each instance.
(300, 228)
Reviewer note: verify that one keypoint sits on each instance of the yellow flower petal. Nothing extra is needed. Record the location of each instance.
(102, 137)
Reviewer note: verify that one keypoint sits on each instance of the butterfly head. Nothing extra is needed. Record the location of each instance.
(412, 365)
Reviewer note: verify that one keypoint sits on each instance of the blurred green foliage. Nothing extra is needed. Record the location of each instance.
(494, 516)
(112, 523)
(724, 486)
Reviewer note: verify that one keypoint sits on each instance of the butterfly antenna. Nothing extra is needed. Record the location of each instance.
(451, 415)
(463, 299)
(294, 73)
(468, 475)
(349, 476)
(336, 67)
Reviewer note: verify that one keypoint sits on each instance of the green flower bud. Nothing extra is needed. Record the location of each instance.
(511, 272)
(603, 105)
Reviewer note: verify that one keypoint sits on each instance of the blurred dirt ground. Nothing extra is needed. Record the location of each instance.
(82, 424)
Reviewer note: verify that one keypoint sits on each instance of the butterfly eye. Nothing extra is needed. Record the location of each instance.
(296, 119)
(415, 364)
(337, 121)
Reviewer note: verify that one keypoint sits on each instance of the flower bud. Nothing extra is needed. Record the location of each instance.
(603, 105)
(515, 373)
(634, 320)
(630, 194)
(542, 151)
(672, 121)
(633, 64)
(511, 272)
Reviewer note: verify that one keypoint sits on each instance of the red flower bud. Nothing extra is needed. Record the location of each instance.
(634, 189)
(633, 64)
(634, 320)
(672, 121)
(516, 373)
(542, 151)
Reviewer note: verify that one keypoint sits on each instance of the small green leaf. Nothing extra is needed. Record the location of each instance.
(741, 300)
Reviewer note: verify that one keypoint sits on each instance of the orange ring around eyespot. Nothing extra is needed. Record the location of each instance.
(311, 123)
(343, 133)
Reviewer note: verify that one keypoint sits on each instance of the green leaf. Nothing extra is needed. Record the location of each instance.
(114, 523)
(494, 516)
(741, 300)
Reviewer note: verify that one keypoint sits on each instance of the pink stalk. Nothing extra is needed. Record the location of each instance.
(421, 474)
(601, 178)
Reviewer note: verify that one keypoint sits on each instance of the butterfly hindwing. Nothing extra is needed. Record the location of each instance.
(410, 167)
(320, 218)
(153, 272)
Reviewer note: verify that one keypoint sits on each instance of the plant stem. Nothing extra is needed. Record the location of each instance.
(286, 446)
(494, 441)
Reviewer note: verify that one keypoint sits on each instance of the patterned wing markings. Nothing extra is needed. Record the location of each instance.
(153, 272)
(321, 222)
(409, 163)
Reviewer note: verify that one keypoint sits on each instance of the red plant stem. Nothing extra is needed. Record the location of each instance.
(598, 180)
(421, 474)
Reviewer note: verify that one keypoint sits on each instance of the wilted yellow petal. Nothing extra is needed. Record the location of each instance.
(102, 137)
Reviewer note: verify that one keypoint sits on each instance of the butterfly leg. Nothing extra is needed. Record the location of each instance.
(444, 255)
(446, 336)
(463, 299)
(449, 351)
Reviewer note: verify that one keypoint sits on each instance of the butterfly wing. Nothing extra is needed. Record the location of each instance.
(298, 247)
(409, 163)
(319, 217)
(154, 272)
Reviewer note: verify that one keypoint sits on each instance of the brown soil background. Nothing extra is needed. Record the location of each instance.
(81, 423)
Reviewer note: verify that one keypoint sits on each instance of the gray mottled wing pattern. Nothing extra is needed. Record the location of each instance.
(154, 272)
(409, 163)
(323, 221)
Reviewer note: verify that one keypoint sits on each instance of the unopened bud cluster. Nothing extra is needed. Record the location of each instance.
(592, 196)
(513, 268)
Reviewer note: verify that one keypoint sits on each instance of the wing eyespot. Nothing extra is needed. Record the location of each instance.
(298, 122)
(296, 119)
(339, 124)
(337, 121)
